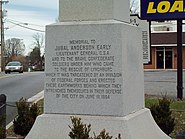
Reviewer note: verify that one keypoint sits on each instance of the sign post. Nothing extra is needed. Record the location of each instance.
(179, 60)
(168, 10)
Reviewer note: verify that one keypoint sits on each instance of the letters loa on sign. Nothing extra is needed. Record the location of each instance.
(158, 9)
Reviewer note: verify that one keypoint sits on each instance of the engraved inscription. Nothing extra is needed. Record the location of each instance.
(84, 69)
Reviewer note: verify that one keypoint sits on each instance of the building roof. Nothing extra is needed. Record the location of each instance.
(165, 39)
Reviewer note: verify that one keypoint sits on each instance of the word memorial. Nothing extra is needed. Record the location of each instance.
(83, 69)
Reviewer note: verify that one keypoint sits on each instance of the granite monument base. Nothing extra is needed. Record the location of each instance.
(138, 125)
(93, 68)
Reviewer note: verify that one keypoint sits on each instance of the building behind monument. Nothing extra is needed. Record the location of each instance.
(164, 46)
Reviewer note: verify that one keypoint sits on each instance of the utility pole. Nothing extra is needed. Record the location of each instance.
(1, 14)
(2, 34)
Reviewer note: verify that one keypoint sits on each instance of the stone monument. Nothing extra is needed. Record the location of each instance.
(94, 71)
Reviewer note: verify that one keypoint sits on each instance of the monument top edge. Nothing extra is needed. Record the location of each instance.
(71, 10)
(89, 22)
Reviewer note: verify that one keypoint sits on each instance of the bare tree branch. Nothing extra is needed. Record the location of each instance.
(14, 46)
(38, 40)
(134, 7)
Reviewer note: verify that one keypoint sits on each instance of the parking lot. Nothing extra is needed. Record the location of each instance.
(162, 82)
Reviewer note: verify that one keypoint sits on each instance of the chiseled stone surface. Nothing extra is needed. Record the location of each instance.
(80, 10)
(93, 68)
(139, 125)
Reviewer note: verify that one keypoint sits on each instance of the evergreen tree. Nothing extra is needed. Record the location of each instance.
(162, 115)
(26, 117)
(36, 59)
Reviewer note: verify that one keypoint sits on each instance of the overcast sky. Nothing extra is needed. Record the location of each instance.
(34, 14)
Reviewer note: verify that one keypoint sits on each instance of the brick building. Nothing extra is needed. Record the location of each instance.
(164, 46)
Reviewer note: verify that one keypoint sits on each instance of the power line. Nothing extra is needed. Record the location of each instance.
(18, 24)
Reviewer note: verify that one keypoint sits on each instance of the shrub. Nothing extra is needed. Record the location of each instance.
(103, 135)
(81, 131)
(163, 116)
(34, 111)
(26, 117)
(2, 129)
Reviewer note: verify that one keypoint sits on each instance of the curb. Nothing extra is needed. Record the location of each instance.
(37, 97)
(33, 99)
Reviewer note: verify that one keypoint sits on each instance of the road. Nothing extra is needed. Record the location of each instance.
(16, 86)
(162, 82)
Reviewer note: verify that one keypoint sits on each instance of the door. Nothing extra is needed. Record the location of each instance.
(168, 59)
(160, 60)
(164, 58)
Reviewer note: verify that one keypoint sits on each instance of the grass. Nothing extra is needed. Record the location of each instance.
(178, 105)
(175, 104)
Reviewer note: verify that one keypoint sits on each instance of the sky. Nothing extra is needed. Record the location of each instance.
(32, 14)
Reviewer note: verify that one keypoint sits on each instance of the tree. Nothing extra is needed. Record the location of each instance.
(134, 7)
(35, 58)
(13, 47)
(35, 55)
(38, 40)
